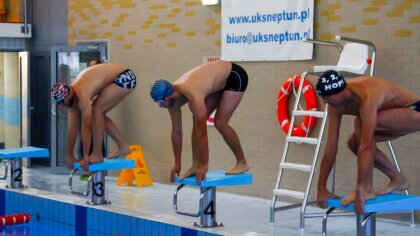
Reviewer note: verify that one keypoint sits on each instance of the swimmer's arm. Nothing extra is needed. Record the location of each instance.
(86, 109)
(365, 156)
(201, 148)
(176, 133)
(72, 129)
(331, 148)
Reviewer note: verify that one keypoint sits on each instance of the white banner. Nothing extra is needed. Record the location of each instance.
(267, 30)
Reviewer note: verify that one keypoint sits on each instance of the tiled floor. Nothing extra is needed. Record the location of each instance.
(241, 215)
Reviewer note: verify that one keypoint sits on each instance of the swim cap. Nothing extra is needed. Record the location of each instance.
(60, 91)
(160, 90)
(329, 83)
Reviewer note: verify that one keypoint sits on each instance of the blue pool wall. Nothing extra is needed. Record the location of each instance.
(86, 220)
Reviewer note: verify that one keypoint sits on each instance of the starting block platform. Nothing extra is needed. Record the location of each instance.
(217, 178)
(96, 182)
(24, 152)
(14, 158)
(366, 223)
(207, 205)
(108, 164)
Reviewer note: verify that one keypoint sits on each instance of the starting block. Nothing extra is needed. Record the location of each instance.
(366, 223)
(14, 159)
(96, 183)
(207, 206)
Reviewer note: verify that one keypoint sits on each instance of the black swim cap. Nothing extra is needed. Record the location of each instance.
(329, 83)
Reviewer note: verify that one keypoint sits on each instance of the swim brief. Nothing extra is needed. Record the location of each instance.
(126, 79)
(416, 106)
(238, 79)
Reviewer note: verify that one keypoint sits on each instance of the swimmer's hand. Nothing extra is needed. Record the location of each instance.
(175, 170)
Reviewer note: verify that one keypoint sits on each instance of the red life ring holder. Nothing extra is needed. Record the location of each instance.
(282, 107)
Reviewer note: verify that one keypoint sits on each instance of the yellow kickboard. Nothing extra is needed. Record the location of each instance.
(140, 173)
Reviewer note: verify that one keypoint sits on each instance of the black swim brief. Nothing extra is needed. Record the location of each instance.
(126, 79)
(238, 79)
(416, 106)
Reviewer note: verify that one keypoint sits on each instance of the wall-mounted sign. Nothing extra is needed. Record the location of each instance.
(267, 30)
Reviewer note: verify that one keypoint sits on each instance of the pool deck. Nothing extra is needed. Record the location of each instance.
(240, 215)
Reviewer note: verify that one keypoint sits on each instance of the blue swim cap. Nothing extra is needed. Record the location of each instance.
(160, 90)
(329, 83)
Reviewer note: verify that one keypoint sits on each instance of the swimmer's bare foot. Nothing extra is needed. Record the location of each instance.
(239, 168)
(349, 198)
(190, 172)
(93, 158)
(397, 184)
(121, 152)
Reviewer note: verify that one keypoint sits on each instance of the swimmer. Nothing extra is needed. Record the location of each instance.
(96, 90)
(383, 111)
(218, 84)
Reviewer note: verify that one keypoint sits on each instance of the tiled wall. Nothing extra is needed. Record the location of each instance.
(165, 38)
(84, 220)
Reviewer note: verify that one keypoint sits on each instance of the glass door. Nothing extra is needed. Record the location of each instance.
(66, 64)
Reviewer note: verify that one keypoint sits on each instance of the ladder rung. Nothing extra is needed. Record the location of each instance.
(319, 114)
(295, 166)
(289, 193)
(302, 140)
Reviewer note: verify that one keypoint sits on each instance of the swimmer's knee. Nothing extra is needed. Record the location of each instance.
(357, 122)
(352, 143)
(97, 110)
(357, 125)
(220, 125)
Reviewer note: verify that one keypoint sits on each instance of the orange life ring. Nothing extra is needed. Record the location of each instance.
(282, 107)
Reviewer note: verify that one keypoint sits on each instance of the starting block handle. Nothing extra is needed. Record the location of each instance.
(6, 169)
(366, 224)
(324, 221)
(175, 205)
(71, 184)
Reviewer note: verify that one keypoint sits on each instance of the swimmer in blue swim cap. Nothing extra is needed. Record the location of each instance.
(383, 111)
(160, 90)
(218, 84)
